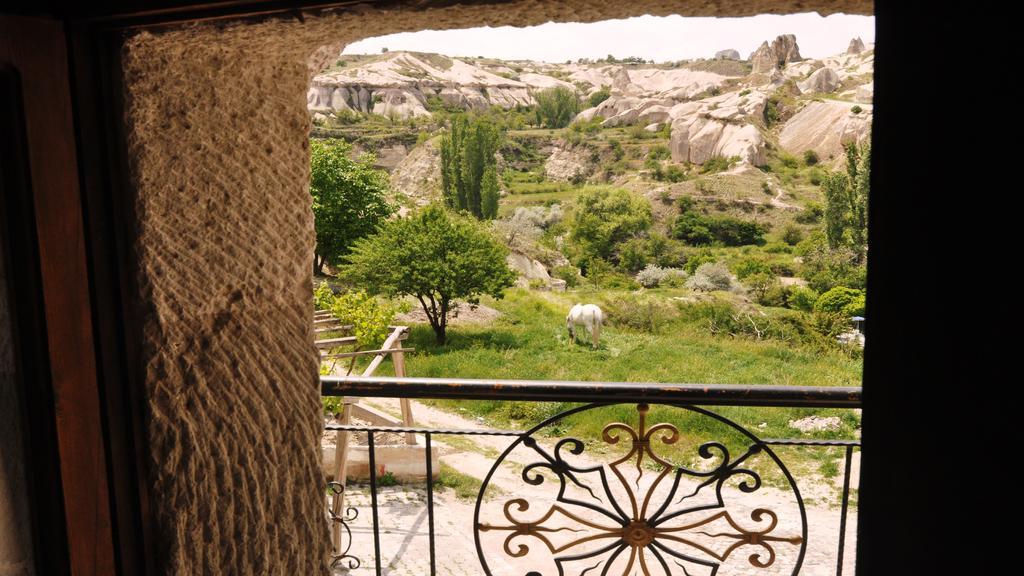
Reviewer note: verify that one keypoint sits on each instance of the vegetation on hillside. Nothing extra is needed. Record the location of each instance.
(349, 199)
(469, 179)
(437, 257)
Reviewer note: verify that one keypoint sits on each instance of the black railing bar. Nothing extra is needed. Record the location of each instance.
(398, 429)
(800, 442)
(373, 503)
(430, 501)
(604, 392)
(846, 507)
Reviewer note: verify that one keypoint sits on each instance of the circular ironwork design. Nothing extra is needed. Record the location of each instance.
(639, 513)
(337, 490)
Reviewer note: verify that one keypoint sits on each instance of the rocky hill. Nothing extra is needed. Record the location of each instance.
(747, 139)
(715, 107)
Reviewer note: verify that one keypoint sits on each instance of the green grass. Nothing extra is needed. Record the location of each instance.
(529, 342)
(466, 487)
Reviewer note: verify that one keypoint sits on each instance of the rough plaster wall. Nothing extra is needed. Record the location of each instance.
(218, 138)
(15, 541)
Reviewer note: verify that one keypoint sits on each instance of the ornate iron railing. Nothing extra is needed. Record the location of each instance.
(640, 511)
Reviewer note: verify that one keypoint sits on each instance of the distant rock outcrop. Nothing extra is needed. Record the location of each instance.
(729, 54)
(825, 127)
(566, 164)
(856, 46)
(783, 50)
(719, 126)
(418, 175)
(821, 80)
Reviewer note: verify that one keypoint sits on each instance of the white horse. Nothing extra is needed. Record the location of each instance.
(590, 317)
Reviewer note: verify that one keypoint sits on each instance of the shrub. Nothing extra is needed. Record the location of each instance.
(603, 219)
(368, 316)
(810, 157)
(750, 266)
(841, 299)
(653, 276)
(856, 109)
(616, 147)
(710, 277)
(599, 96)
(638, 313)
(696, 260)
(811, 214)
(700, 230)
(659, 152)
(323, 296)
(674, 173)
(718, 164)
(744, 92)
(568, 273)
(816, 177)
(556, 107)
(792, 235)
(802, 298)
(788, 160)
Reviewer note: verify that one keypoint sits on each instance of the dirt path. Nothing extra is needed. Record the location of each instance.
(404, 526)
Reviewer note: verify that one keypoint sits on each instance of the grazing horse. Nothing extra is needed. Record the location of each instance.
(590, 317)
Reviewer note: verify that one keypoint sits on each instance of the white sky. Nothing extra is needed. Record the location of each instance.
(648, 37)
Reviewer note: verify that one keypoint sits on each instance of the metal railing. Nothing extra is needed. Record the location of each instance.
(574, 512)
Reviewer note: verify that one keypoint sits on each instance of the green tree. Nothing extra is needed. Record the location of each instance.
(489, 193)
(603, 219)
(846, 197)
(349, 199)
(467, 153)
(434, 255)
(556, 107)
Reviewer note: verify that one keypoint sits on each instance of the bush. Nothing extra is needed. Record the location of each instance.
(603, 219)
(759, 283)
(694, 261)
(718, 164)
(599, 96)
(568, 273)
(616, 147)
(801, 298)
(710, 277)
(750, 266)
(700, 230)
(368, 316)
(816, 176)
(638, 313)
(810, 157)
(653, 276)
(792, 235)
(556, 107)
(323, 296)
(811, 214)
(841, 300)
(659, 152)
(856, 109)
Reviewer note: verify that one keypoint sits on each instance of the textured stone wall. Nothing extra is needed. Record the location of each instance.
(218, 140)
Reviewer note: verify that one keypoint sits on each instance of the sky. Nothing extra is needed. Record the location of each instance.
(649, 37)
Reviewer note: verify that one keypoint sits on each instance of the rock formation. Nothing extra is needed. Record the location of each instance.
(856, 46)
(729, 54)
(719, 126)
(782, 51)
(821, 80)
(825, 127)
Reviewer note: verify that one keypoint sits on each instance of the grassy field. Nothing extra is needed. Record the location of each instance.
(529, 341)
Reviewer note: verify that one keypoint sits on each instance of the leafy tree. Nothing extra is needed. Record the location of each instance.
(847, 301)
(349, 199)
(556, 107)
(846, 196)
(436, 256)
(603, 219)
(489, 193)
(467, 153)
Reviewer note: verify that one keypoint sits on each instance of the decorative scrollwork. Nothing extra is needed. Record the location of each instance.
(337, 490)
(617, 518)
